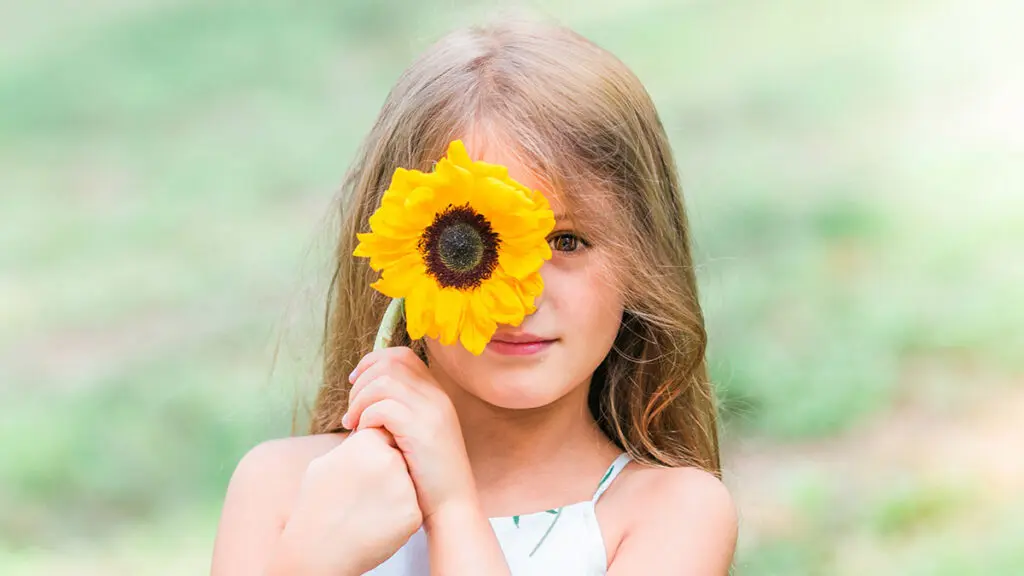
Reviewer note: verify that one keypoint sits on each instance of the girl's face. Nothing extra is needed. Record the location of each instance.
(577, 318)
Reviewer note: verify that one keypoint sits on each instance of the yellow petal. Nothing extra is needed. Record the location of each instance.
(496, 200)
(522, 223)
(503, 295)
(532, 284)
(420, 201)
(401, 182)
(534, 245)
(478, 327)
(404, 181)
(501, 299)
(419, 307)
(382, 251)
(478, 311)
(365, 246)
(374, 242)
(397, 223)
(448, 314)
(457, 154)
(473, 341)
(398, 280)
(528, 299)
(520, 216)
(505, 196)
(458, 187)
(488, 170)
(519, 266)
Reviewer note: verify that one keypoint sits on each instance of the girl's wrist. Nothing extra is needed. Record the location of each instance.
(456, 512)
(288, 560)
(284, 560)
(461, 540)
(461, 505)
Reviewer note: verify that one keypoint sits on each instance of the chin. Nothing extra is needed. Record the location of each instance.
(508, 380)
(509, 385)
(519, 391)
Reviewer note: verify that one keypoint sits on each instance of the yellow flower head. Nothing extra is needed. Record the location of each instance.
(462, 245)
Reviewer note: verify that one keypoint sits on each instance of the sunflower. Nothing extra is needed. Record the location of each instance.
(461, 247)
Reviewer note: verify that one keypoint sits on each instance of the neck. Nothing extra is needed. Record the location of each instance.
(511, 451)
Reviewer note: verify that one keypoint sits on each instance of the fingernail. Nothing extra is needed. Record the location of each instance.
(351, 375)
(344, 420)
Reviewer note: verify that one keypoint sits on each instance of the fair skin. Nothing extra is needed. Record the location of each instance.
(447, 446)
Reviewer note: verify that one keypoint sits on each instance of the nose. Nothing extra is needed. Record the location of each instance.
(539, 299)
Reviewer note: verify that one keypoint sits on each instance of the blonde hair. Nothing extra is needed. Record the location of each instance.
(579, 118)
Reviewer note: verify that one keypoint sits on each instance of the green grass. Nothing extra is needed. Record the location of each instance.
(851, 171)
(915, 527)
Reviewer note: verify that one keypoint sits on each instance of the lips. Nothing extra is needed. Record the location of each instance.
(520, 344)
(520, 338)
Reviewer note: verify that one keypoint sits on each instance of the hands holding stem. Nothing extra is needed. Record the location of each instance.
(404, 466)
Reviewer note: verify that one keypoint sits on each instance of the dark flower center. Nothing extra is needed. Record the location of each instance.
(460, 248)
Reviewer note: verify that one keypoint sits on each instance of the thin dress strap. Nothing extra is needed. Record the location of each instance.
(610, 475)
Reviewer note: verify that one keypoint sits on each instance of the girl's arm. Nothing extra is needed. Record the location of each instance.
(324, 505)
(684, 522)
(393, 389)
(461, 541)
(255, 510)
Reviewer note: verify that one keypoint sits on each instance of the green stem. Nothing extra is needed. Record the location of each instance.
(395, 310)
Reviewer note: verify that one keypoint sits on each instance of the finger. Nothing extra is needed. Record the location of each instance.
(372, 359)
(364, 363)
(388, 414)
(374, 371)
(382, 387)
(401, 354)
(379, 370)
(383, 367)
(380, 434)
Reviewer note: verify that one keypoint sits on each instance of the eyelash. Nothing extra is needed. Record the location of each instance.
(581, 243)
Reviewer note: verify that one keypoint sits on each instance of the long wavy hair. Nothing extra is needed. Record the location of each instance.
(580, 119)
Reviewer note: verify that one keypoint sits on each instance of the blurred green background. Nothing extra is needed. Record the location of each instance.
(854, 172)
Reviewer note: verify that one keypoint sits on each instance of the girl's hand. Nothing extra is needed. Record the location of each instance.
(356, 507)
(393, 389)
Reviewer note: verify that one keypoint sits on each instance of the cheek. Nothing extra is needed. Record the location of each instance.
(587, 304)
(581, 304)
(452, 360)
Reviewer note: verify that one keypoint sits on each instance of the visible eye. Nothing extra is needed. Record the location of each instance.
(566, 242)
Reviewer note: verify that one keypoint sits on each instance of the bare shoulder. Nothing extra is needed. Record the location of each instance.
(272, 470)
(684, 516)
(283, 454)
(696, 490)
(259, 498)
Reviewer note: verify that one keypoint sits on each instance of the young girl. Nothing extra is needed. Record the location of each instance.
(580, 441)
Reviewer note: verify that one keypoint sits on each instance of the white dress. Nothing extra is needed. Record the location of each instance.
(563, 541)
